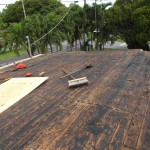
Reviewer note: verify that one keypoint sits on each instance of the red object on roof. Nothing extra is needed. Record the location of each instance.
(28, 74)
(21, 66)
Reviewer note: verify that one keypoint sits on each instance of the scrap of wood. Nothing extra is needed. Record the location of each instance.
(16, 88)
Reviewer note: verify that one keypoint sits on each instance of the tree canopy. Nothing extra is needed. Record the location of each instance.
(131, 20)
(127, 19)
(14, 12)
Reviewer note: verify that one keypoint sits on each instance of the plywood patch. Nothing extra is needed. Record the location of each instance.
(16, 88)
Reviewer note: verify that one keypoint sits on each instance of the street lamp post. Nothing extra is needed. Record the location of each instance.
(29, 45)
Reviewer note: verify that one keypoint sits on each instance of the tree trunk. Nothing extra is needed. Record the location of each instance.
(91, 34)
(80, 42)
(51, 48)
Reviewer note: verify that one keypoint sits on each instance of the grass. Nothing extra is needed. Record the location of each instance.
(10, 54)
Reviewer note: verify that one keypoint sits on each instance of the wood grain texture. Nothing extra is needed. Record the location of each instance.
(111, 113)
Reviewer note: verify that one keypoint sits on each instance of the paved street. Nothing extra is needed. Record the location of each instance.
(117, 45)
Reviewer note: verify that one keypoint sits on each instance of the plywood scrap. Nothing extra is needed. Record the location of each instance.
(16, 88)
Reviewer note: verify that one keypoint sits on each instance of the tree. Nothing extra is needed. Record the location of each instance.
(32, 26)
(14, 12)
(56, 35)
(131, 20)
(96, 22)
(45, 15)
(13, 37)
(91, 24)
(103, 34)
(77, 21)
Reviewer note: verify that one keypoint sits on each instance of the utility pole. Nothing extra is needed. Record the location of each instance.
(96, 19)
(96, 26)
(24, 10)
(27, 37)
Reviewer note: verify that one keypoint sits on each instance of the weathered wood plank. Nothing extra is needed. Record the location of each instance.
(111, 113)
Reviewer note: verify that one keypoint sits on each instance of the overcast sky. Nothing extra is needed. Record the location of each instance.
(66, 2)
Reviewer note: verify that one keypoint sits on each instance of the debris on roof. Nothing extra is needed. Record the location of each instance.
(20, 66)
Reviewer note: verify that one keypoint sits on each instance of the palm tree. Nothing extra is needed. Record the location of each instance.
(103, 34)
(77, 19)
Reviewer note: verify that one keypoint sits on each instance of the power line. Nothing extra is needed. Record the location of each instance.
(54, 26)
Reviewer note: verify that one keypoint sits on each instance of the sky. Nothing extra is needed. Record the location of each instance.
(66, 2)
(2, 2)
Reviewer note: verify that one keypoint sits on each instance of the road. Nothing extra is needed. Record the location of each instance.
(117, 45)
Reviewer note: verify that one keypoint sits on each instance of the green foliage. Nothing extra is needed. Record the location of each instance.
(131, 20)
(42, 16)
(127, 19)
(77, 21)
(14, 12)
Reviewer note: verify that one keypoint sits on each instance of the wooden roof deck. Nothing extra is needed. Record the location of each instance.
(112, 113)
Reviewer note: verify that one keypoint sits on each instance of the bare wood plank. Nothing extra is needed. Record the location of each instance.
(16, 88)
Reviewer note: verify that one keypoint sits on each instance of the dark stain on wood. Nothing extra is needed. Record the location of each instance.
(112, 112)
